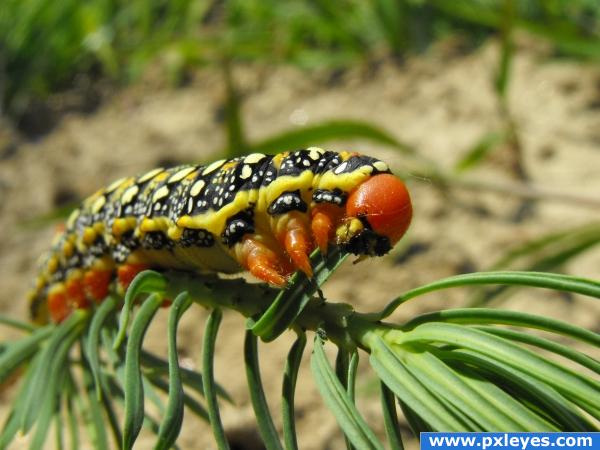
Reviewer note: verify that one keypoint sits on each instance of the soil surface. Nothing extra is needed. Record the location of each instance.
(440, 104)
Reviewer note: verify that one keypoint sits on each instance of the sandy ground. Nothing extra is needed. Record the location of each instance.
(439, 104)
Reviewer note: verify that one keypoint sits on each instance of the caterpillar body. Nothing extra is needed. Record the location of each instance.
(262, 213)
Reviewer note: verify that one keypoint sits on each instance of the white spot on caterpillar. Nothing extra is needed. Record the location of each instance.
(314, 153)
(180, 175)
(339, 169)
(246, 172)
(306, 163)
(162, 192)
(197, 188)
(129, 194)
(212, 167)
(253, 158)
(149, 175)
(381, 166)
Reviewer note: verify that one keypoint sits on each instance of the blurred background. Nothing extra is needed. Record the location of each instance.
(489, 109)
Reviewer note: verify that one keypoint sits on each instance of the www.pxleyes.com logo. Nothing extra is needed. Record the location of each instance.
(509, 441)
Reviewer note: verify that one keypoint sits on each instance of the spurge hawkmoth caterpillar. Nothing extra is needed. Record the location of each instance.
(257, 212)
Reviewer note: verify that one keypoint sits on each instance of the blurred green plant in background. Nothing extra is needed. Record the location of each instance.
(45, 45)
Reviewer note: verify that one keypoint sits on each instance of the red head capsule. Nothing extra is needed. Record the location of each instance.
(385, 203)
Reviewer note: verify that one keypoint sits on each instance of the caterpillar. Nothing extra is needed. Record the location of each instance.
(261, 213)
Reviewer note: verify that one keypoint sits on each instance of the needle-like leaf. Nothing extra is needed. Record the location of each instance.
(11, 425)
(72, 423)
(146, 282)
(191, 379)
(339, 402)
(93, 339)
(134, 394)
(208, 353)
(346, 363)
(393, 372)
(16, 353)
(546, 344)
(53, 358)
(19, 324)
(290, 302)
(171, 424)
(266, 427)
(554, 281)
(580, 389)
(534, 393)
(390, 418)
(472, 316)
(456, 390)
(290, 376)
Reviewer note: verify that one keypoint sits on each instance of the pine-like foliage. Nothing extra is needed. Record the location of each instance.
(451, 370)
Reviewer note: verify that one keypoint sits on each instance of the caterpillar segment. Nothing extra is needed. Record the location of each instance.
(261, 213)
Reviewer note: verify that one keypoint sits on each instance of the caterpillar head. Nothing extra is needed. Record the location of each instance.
(378, 213)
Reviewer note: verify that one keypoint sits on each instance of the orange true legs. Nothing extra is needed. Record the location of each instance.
(298, 244)
(325, 217)
(261, 261)
(296, 237)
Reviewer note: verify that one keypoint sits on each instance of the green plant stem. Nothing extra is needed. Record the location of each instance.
(345, 327)
(252, 299)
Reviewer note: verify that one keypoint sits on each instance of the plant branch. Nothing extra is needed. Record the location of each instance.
(344, 326)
